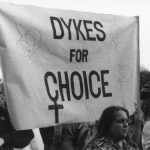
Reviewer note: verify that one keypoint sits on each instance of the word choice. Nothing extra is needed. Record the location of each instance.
(63, 85)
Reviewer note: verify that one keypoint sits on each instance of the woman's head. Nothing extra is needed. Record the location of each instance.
(114, 122)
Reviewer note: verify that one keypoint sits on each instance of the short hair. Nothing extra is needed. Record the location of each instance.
(107, 118)
(145, 91)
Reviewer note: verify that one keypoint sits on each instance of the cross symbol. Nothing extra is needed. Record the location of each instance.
(56, 108)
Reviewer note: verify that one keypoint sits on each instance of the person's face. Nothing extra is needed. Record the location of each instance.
(119, 128)
(145, 102)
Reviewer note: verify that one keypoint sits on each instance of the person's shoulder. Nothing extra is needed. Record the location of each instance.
(146, 132)
(147, 126)
(101, 143)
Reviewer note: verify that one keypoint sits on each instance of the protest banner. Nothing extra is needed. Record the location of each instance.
(63, 66)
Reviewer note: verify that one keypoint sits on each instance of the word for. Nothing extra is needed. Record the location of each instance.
(85, 86)
(84, 29)
(78, 55)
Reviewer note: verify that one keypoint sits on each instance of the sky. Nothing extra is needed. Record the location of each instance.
(139, 8)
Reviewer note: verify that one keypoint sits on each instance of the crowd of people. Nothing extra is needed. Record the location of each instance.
(115, 130)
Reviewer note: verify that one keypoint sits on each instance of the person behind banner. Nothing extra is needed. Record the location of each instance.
(47, 135)
(9, 138)
(76, 135)
(136, 123)
(112, 131)
(145, 106)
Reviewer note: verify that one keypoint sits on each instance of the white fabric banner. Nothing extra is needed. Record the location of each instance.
(64, 66)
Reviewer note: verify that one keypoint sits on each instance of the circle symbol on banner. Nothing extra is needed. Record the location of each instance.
(29, 42)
